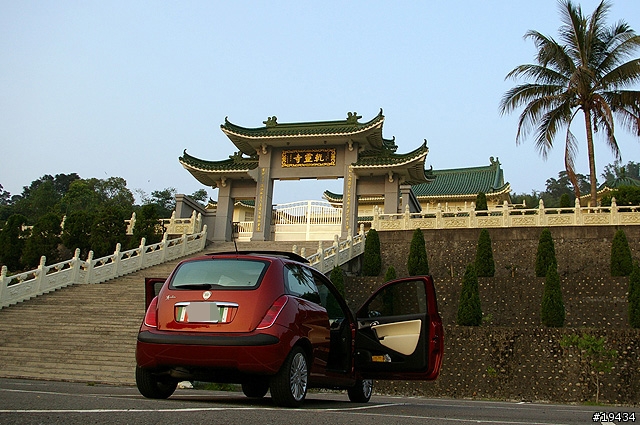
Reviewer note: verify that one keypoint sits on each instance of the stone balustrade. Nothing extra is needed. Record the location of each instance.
(22, 286)
(508, 217)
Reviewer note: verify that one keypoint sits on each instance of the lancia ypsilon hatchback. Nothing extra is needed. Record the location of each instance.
(268, 321)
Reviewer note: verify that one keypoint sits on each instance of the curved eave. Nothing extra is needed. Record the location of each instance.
(410, 166)
(210, 173)
(246, 139)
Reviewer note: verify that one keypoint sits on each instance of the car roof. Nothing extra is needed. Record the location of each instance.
(277, 254)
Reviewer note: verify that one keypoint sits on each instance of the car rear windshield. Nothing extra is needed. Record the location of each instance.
(219, 274)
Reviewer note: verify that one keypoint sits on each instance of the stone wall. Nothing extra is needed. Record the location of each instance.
(511, 356)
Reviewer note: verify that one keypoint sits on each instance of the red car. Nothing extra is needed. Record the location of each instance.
(268, 321)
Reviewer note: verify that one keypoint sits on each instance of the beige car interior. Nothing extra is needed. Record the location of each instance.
(401, 336)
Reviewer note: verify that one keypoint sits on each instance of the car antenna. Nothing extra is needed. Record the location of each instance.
(233, 236)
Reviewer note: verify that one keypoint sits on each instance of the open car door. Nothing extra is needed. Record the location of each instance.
(400, 334)
(152, 286)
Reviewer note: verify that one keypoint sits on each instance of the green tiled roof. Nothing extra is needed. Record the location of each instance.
(319, 128)
(458, 182)
(247, 140)
(236, 162)
(465, 182)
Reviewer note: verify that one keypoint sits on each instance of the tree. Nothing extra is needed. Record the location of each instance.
(617, 170)
(201, 196)
(165, 200)
(469, 308)
(417, 263)
(146, 226)
(634, 297)
(586, 71)
(44, 240)
(546, 254)
(484, 264)
(337, 278)
(107, 230)
(621, 260)
(77, 231)
(481, 202)
(557, 188)
(552, 313)
(371, 261)
(12, 239)
(390, 274)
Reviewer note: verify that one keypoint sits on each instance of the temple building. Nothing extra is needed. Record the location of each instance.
(356, 152)
(449, 190)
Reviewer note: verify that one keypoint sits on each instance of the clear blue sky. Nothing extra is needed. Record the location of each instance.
(121, 88)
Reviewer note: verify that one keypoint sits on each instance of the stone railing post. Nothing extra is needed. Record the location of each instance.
(117, 260)
(406, 222)
(89, 265)
(542, 220)
(439, 223)
(375, 223)
(505, 214)
(3, 279)
(164, 242)
(41, 274)
(142, 252)
(336, 251)
(75, 266)
(321, 255)
(577, 212)
(615, 216)
(473, 218)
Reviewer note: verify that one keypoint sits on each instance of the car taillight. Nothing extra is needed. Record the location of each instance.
(151, 318)
(273, 312)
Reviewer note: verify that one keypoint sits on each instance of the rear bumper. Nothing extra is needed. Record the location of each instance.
(213, 341)
(255, 353)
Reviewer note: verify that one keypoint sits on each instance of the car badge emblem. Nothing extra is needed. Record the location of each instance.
(206, 295)
(169, 297)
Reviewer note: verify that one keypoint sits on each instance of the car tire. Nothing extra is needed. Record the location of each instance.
(289, 385)
(361, 391)
(255, 389)
(151, 386)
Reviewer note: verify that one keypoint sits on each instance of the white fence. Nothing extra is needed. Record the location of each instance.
(306, 221)
(22, 286)
(509, 217)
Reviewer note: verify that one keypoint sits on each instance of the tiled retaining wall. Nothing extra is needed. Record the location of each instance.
(511, 356)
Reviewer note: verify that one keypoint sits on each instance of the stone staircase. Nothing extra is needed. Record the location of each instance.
(87, 333)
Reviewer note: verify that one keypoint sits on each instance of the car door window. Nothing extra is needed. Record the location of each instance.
(408, 298)
(300, 283)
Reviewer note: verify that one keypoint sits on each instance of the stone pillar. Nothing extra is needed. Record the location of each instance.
(264, 200)
(391, 194)
(222, 230)
(350, 192)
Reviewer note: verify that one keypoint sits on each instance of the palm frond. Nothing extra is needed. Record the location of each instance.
(570, 152)
(549, 125)
(603, 119)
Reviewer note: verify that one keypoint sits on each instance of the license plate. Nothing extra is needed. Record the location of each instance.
(204, 312)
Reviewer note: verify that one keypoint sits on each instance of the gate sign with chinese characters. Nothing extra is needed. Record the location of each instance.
(308, 157)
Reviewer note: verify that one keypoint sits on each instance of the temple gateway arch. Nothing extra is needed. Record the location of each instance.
(348, 149)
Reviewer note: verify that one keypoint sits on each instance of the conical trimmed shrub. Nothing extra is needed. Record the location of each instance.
(469, 308)
(390, 274)
(621, 260)
(546, 255)
(485, 266)
(372, 260)
(552, 313)
(417, 263)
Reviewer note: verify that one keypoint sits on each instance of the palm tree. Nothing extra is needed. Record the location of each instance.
(586, 71)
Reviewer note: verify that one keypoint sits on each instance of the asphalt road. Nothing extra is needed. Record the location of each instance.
(40, 402)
